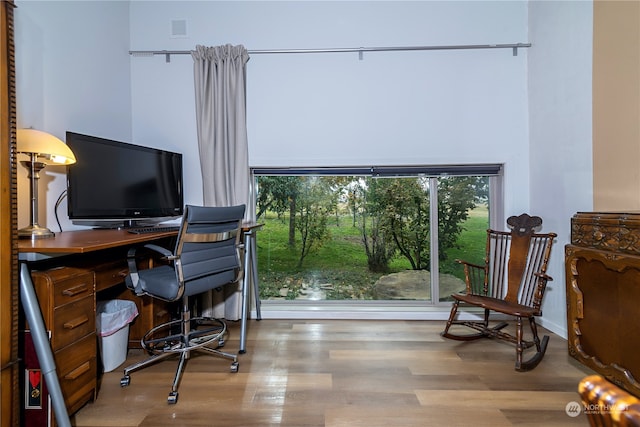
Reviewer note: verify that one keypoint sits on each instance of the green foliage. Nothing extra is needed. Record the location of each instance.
(342, 262)
(314, 203)
(274, 194)
(405, 218)
(456, 196)
(390, 220)
(399, 210)
(365, 200)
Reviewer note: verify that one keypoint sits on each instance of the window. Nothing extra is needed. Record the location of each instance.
(388, 235)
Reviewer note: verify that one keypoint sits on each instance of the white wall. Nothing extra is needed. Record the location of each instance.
(560, 64)
(72, 73)
(334, 109)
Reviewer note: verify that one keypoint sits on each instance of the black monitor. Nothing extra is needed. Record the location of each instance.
(117, 184)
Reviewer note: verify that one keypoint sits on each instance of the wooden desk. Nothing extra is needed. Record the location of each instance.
(60, 280)
(83, 241)
(104, 254)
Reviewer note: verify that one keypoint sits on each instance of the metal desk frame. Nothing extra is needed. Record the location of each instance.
(250, 280)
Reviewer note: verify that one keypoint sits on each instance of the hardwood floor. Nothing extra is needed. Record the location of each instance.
(347, 373)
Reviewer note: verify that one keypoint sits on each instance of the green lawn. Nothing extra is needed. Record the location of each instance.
(342, 262)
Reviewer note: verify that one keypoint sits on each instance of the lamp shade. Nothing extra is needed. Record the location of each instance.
(50, 150)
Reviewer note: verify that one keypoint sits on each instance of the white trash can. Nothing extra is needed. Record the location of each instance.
(112, 325)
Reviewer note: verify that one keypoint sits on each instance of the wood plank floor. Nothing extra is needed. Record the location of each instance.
(347, 373)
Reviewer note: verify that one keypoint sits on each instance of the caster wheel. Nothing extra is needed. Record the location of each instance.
(221, 342)
(234, 367)
(173, 398)
(124, 381)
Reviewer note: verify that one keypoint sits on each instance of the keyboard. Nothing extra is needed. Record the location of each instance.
(145, 230)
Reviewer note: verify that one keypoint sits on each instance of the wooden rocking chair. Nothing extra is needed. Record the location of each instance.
(512, 282)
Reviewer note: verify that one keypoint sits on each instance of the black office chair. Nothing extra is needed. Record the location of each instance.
(206, 257)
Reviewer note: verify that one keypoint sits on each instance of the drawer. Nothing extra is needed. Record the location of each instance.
(109, 274)
(63, 285)
(76, 366)
(73, 321)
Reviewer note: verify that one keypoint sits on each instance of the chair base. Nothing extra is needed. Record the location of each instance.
(495, 332)
(165, 341)
(485, 331)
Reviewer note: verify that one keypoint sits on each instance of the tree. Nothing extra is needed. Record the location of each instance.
(405, 219)
(314, 204)
(364, 198)
(274, 193)
(278, 194)
(456, 196)
(404, 204)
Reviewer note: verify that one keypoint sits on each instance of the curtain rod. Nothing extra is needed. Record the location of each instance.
(359, 50)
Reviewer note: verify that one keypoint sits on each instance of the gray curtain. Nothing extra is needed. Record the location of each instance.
(220, 89)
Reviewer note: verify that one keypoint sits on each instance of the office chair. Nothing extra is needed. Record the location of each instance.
(206, 257)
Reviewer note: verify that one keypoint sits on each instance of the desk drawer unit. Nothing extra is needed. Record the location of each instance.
(67, 299)
(110, 273)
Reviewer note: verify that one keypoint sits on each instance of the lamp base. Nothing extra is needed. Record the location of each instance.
(34, 231)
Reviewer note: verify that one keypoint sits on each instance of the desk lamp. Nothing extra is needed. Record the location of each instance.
(43, 149)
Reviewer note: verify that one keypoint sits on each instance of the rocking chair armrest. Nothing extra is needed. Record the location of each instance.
(470, 264)
(543, 278)
(475, 277)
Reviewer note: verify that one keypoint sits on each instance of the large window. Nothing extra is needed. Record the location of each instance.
(376, 234)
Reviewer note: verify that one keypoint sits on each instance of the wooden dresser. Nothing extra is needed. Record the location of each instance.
(602, 265)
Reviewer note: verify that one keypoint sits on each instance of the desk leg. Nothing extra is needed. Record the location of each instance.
(42, 345)
(245, 294)
(250, 278)
(254, 274)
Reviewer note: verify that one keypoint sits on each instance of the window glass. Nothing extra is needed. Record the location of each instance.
(370, 234)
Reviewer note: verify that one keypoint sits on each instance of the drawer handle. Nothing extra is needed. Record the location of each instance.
(122, 273)
(75, 291)
(74, 323)
(85, 367)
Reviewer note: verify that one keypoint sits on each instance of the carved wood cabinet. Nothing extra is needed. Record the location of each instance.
(602, 265)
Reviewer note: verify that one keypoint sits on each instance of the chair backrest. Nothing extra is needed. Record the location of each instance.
(513, 259)
(607, 405)
(206, 251)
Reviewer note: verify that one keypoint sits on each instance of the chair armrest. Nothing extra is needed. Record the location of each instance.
(543, 278)
(131, 254)
(470, 264)
(162, 251)
(475, 277)
(134, 282)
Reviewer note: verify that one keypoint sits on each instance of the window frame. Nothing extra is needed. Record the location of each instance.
(391, 309)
